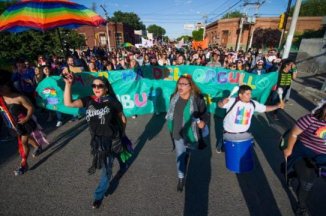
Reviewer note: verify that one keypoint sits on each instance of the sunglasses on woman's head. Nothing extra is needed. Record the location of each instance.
(99, 86)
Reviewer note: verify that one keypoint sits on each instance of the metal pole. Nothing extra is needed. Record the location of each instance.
(251, 37)
(289, 39)
(107, 27)
(240, 33)
(285, 22)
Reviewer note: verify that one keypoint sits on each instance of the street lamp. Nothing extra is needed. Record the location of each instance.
(107, 27)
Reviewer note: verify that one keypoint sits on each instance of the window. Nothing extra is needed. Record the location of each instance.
(118, 38)
(103, 40)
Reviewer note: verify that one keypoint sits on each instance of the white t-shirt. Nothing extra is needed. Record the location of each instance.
(239, 118)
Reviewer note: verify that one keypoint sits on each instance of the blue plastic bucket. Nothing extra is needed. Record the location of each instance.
(238, 155)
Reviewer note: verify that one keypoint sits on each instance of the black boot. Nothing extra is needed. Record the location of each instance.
(180, 184)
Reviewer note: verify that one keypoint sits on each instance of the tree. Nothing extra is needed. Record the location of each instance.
(31, 43)
(308, 34)
(186, 38)
(266, 38)
(233, 14)
(6, 4)
(197, 35)
(128, 18)
(157, 31)
(311, 8)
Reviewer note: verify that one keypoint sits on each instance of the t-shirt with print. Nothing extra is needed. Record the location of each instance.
(102, 117)
(285, 79)
(239, 118)
(313, 135)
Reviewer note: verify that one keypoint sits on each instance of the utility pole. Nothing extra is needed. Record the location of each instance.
(240, 33)
(289, 39)
(246, 6)
(205, 23)
(107, 27)
(285, 22)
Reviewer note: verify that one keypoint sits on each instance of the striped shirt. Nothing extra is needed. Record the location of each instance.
(314, 133)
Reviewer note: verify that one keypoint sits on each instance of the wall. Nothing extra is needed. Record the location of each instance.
(93, 34)
(215, 29)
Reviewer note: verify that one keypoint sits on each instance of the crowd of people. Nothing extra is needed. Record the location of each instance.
(187, 115)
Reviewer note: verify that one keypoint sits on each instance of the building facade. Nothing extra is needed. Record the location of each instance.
(119, 33)
(225, 32)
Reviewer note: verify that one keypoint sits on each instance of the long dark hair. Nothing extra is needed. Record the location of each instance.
(108, 86)
(194, 88)
(285, 62)
(320, 113)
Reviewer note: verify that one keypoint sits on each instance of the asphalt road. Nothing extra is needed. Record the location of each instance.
(58, 183)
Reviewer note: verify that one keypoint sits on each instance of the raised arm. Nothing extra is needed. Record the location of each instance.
(275, 107)
(68, 78)
(221, 103)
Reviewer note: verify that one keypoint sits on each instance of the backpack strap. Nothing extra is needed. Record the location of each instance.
(236, 101)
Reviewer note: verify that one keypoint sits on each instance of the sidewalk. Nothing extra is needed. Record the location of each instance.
(305, 95)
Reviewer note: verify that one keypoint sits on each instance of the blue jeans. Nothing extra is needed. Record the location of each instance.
(104, 179)
(182, 155)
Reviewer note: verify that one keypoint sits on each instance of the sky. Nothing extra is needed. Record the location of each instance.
(173, 14)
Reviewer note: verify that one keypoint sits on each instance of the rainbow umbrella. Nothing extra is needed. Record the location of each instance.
(47, 14)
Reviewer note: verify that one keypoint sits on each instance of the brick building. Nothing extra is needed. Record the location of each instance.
(226, 31)
(119, 33)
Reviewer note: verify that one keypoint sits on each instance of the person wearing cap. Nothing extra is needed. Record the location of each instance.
(259, 68)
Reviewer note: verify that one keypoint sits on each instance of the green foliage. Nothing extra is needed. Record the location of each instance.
(186, 38)
(197, 35)
(157, 31)
(233, 14)
(32, 43)
(5, 4)
(266, 38)
(128, 18)
(308, 34)
(311, 8)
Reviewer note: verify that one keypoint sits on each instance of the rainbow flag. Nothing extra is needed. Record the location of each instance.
(47, 14)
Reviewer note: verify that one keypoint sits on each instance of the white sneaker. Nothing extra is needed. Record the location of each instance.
(134, 116)
(59, 123)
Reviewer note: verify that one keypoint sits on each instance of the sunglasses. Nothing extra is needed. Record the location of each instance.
(99, 86)
(183, 84)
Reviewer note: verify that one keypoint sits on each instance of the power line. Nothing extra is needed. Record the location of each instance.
(226, 10)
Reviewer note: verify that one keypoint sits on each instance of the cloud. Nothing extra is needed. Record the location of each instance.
(182, 2)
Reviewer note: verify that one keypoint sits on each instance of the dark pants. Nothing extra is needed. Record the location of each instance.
(304, 161)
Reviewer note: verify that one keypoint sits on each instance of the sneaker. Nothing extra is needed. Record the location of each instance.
(59, 123)
(134, 116)
(180, 185)
(37, 151)
(96, 204)
(21, 170)
(302, 212)
(218, 150)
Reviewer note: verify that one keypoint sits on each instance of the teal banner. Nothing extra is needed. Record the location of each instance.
(148, 89)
